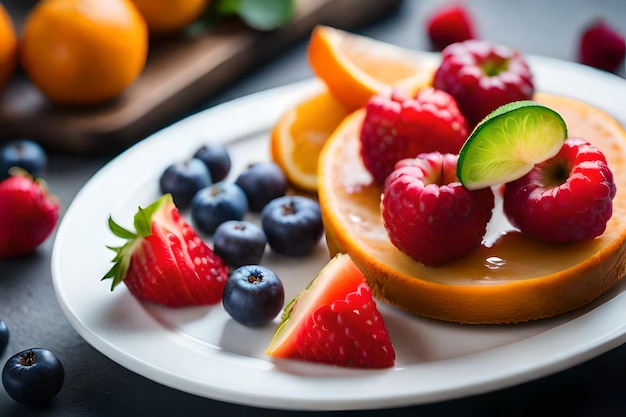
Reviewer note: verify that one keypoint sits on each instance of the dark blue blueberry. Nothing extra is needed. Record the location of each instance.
(4, 336)
(33, 376)
(216, 204)
(262, 182)
(216, 158)
(184, 179)
(292, 225)
(239, 242)
(253, 295)
(23, 153)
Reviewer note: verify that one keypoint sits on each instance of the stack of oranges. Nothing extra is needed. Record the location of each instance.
(83, 52)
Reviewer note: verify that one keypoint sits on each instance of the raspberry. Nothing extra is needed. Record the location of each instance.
(566, 198)
(483, 76)
(601, 47)
(429, 215)
(398, 127)
(449, 25)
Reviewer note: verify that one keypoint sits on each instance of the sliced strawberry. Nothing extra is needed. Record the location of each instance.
(28, 214)
(165, 261)
(335, 321)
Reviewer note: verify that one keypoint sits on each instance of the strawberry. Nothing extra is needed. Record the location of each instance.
(28, 214)
(601, 46)
(165, 261)
(335, 321)
(448, 25)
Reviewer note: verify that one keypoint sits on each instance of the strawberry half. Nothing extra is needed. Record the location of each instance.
(28, 214)
(165, 261)
(335, 321)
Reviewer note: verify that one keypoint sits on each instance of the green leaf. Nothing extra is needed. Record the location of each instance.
(119, 231)
(143, 226)
(143, 217)
(259, 14)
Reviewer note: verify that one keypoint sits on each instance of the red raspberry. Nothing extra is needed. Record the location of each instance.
(483, 76)
(601, 47)
(429, 215)
(566, 198)
(449, 25)
(398, 127)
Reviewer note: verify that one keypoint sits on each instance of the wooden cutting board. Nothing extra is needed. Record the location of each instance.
(180, 73)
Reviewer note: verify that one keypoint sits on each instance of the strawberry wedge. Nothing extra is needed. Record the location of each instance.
(164, 260)
(335, 321)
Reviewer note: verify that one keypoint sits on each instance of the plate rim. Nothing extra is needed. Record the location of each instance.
(544, 70)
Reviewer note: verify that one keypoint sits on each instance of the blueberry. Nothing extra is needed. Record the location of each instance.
(23, 153)
(292, 225)
(239, 242)
(262, 182)
(184, 179)
(253, 295)
(216, 204)
(33, 376)
(216, 158)
(4, 336)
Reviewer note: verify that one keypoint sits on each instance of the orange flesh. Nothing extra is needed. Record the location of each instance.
(298, 137)
(355, 67)
(515, 279)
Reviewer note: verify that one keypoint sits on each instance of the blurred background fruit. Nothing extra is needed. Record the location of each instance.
(83, 51)
(8, 47)
(166, 17)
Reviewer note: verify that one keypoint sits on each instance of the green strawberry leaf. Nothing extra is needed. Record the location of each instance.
(259, 14)
(123, 254)
(119, 231)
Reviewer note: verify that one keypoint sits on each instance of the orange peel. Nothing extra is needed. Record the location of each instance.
(356, 67)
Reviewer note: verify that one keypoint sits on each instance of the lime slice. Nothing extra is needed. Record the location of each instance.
(507, 143)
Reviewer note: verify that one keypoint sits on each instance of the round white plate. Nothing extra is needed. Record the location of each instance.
(202, 351)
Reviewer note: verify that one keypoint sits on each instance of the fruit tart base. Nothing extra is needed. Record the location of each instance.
(511, 278)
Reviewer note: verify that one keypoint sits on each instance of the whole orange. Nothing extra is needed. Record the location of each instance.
(166, 17)
(84, 51)
(8, 47)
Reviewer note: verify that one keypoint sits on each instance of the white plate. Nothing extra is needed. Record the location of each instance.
(202, 351)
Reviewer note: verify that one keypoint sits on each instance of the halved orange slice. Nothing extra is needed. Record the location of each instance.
(356, 67)
(298, 137)
(515, 279)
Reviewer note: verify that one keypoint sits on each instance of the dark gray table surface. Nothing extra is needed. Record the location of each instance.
(97, 386)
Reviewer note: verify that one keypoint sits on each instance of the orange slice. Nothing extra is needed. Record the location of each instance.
(516, 279)
(298, 137)
(355, 67)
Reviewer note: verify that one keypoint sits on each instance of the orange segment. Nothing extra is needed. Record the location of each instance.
(300, 134)
(8, 47)
(355, 67)
(515, 280)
